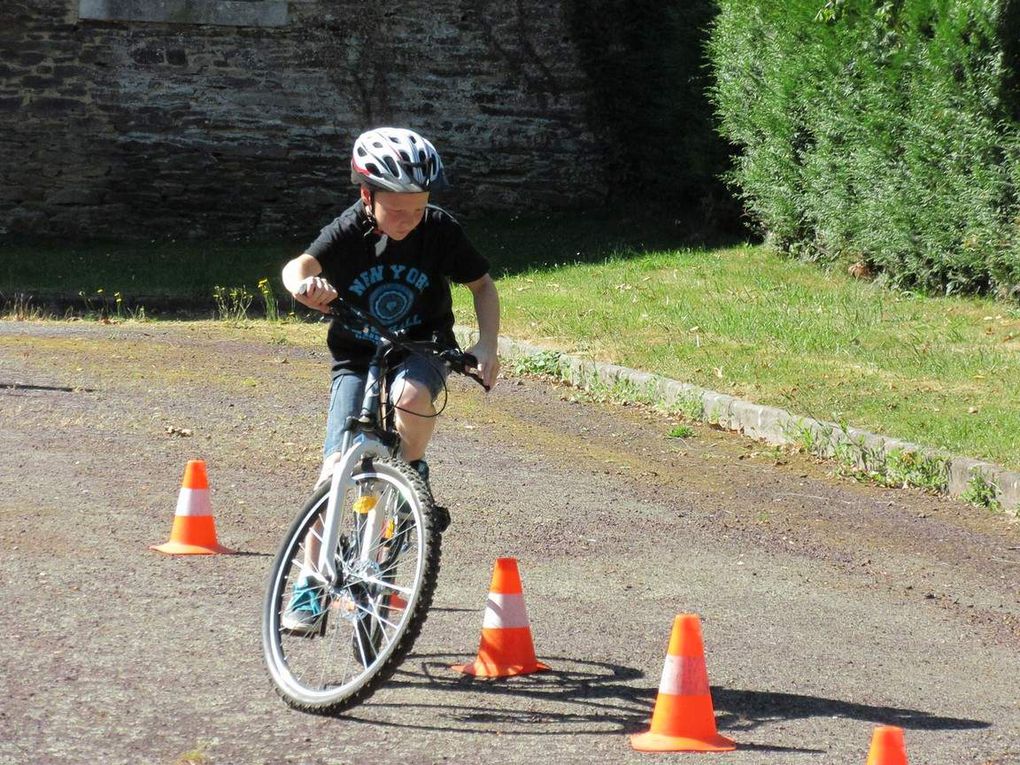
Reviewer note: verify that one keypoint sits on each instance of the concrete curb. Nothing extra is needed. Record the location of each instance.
(765, 423)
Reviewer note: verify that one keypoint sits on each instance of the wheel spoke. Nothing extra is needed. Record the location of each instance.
(374, 613)
(388, 585)
(363, 630)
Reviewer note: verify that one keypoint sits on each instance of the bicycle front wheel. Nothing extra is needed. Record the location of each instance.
(329, 644)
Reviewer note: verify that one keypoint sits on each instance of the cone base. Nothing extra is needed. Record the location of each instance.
(179, 548)
(658, 742)
(483, 669)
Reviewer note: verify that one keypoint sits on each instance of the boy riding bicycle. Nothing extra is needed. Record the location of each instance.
(392, 255)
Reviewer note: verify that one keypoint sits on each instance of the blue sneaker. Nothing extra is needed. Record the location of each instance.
(305, 609)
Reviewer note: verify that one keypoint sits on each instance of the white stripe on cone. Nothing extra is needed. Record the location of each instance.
(193, 502)
(504, 611)
(684, 676)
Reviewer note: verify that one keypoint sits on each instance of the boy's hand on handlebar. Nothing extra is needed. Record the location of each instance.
(488, 363)
(315, 292)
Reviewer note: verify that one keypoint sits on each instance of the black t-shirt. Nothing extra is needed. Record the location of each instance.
(405, 286)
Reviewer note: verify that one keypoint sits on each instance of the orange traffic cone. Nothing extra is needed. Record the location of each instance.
(887, 746)
(506, 647)
(194, 531)
(683, 720)
(395, 603)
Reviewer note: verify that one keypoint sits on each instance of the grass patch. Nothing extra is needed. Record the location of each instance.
(191, 269)
(741, 320)
(681, 431)
(546, 363)
(164, 269)
(935, 371)
(896, 468)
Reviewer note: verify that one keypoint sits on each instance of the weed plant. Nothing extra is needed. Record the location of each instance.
(690, 407)
(982, 492)
(269, 302)
(232, 303)
(896, 468)
(20, 307)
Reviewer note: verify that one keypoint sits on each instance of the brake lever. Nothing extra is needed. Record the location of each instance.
(471, 361)
(460, 361)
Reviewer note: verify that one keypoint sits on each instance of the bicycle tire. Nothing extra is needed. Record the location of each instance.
(346, 603)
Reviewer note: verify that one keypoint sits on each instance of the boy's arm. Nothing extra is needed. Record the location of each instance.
(486, 300)
(303, 271)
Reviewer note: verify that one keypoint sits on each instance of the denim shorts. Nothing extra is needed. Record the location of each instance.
(348, 390)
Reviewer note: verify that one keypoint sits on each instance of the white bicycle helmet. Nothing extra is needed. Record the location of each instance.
(395, 159)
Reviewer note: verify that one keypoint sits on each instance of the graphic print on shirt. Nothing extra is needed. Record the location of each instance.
(391, 291)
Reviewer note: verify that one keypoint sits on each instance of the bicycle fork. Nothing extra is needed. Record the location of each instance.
(369, 524)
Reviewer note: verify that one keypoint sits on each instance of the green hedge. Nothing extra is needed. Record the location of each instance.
(879, 131)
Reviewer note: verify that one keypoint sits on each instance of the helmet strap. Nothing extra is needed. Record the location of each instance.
(369, 209)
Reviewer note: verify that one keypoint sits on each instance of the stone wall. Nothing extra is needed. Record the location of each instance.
(175, 128)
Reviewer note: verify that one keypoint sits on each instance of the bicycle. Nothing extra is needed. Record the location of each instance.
(368, 545)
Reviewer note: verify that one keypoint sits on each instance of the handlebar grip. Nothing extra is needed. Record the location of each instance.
(333, 305)
(460, 362)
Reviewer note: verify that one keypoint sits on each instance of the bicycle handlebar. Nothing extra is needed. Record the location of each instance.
(461, 362)
(454, 357)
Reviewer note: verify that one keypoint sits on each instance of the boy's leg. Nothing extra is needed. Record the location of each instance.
(416, 386)
(305, 608)
(415, 418)
(418, 382)
(345, 398)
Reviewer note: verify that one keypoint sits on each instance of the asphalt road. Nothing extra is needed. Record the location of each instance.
(827, 606)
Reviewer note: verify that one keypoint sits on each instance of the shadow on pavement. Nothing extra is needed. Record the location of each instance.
(746, 710)
(14, 386)
(597, 698)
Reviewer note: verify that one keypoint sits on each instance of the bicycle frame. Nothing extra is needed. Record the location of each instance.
(364, 439)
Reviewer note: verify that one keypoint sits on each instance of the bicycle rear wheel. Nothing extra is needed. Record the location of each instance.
(387, 561)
